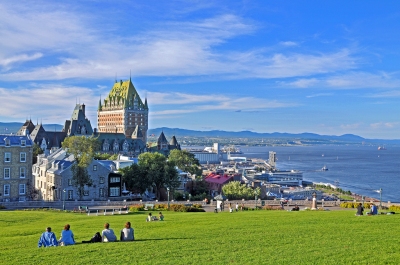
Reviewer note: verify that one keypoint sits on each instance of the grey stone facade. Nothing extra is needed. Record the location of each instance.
(15, 167)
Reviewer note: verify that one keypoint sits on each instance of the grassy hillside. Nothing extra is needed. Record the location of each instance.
(253, 237)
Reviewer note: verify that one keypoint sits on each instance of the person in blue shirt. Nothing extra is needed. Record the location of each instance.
(374, 209)
(67, 237)
(48, 239)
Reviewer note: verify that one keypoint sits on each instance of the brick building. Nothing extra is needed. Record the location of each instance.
(123, 111)
(15, 167)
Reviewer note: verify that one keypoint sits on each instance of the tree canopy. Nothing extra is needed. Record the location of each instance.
(185, 161)
(153, 170)
(234, 191)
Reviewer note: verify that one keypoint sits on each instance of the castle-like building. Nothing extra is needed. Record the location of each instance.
(123, 111)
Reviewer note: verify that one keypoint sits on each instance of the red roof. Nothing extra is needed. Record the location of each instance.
(219, 179)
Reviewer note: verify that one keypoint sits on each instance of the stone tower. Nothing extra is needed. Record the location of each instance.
(123, 111)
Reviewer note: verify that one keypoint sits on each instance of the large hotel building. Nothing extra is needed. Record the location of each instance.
(123, 111)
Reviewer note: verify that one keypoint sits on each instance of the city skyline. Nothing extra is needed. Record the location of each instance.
(329, 67)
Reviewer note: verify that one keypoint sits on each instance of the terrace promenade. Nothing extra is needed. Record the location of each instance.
(71, 205)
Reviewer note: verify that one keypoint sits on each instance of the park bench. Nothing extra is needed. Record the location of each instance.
(83, 209)
(188, 204)
(120, 210)
(148, 205)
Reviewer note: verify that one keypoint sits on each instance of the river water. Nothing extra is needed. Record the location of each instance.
(361, 169)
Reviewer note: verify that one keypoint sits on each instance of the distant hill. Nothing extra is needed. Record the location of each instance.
(13, 127)
(275, 135)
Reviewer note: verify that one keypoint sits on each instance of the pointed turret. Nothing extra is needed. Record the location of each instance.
(99, 108)
(145, 104)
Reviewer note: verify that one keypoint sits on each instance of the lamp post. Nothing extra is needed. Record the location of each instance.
(255, 200)
(168, 196)
(64, 199)
(190, 196)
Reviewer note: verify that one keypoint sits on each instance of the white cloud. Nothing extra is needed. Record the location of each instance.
(52, 102)
(352, 80)
(386, 125)
(20, 58)
(288, 43)
(319, 95)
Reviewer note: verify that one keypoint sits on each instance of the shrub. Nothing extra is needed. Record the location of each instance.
(2, 207)
(394, 208)
(178, 208)
(272, 207)
(196, 205)
(136, 208)
(161, 206)
(194, 209)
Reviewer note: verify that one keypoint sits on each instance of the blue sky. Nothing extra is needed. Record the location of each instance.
(327, 67)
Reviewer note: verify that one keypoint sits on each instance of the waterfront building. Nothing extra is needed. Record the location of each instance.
(210, 155)
(285, 178)
(216, 182)
(15, 167)
(123, 111)
(301, 193)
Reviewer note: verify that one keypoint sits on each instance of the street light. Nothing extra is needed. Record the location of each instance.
(255, 199)
(168, 196)
(64, 199)
(190, 196)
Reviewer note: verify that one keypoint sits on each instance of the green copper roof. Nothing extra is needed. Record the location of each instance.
(124, 93)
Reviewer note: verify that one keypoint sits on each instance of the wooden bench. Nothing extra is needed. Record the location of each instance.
(120, 210)
(188, 204)
(148, 205)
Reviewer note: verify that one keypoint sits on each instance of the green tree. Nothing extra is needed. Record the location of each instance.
(36, 151)
(185, 161)
(135, 178)
(83, 149)
(159, 172)
(235, 190)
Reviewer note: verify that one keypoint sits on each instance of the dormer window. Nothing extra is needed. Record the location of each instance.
(7, 141)
(23, 142)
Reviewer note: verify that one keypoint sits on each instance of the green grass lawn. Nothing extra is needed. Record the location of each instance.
(251, 237)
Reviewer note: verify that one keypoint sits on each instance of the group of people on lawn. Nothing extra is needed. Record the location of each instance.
(151, 218)
(360, 210)
(48, 238)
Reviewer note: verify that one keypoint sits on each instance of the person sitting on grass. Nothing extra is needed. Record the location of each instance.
(296, 208)
(150, 218)
(360, 210)
(107, 234)
(48, 239)
(374, 210)
(127, 233)
(67, 237)
(160, 216)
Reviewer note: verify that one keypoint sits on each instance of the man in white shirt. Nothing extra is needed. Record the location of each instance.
(107, 234)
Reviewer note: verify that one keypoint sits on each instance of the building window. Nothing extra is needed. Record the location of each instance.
(7, 157)
(114, 191)
(94, 167)
(7, 173)
(69, 182)
(23, 142)
(101, 192)
(101, 180)
(70, 194)
(7, 190)
(7, 142)
(22, 172)
(85, 193)
(21, 189)
(114, 179)
(22, 157)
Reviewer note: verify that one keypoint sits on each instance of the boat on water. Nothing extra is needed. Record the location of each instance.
(381, 148)
(324, 168)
